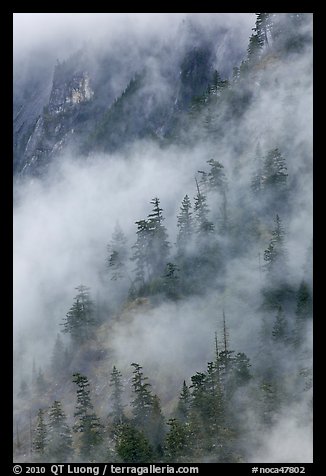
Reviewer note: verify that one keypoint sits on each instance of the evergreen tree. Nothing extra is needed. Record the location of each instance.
(275, 171)
(257, 179)
(143, 399)
(202, 224)
(59, 448)
(184, 403)
(80, 319)
(303, 312)
(132, 445)
(40, 436)
(254, 49)
(176, 441)
(279, 331)
(216, 176)
(171, 281)
(116, 384)
(87, 423)
(275, 255)
(184, 224)
(155, 429)
(117, 257)
(140, 255)
(218, 84)
(158, 244)
(263, 27)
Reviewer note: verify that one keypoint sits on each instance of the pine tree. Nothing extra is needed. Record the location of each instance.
(176, 441)
(117, 257)
(257, 179)
(80, 319)
(171, 281)
(158, 244)
(275, 255)
(202, 225)
(216, 176)
(263, 27)
(59, 448)
(254, 49)
(140, 255)
(87, 423)
(155, 429)
(275, 171)
(184, 403)
(143, 399)
(303, 312)
(132, 445)
(185, 225)
(116, 384)
(279, 331)
(40, 436)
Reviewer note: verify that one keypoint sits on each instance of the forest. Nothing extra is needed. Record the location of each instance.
(188, 336)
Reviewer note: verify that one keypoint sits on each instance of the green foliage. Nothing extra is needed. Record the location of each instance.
(279, 331)
(87, 423)
(176, 441)
(59, 442)
(116, 384)
(116, 261)
(143, 398)
(184, 224)
(275, 254)
(40, 436)
(80, 319)
(171, 281)
(132, 445)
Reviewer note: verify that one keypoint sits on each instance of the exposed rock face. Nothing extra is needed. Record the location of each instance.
(69, 92)
(54, 127)
(91, 109)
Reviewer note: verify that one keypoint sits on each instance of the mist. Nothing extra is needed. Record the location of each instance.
(64, 220)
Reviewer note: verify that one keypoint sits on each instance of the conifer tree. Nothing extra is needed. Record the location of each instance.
(184, 403)
(132, 445)
(279, 332)
(184, 224)
(59, 448)
(176, 441)
(116, 384)
(80, 319)
(143, 399)
(203, 225)
(275, 171)
(40, 436)
(158, 244)
(275, 255)
(87, 423)
(117, 254)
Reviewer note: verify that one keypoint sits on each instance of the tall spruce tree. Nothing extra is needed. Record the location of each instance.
(158, 244)
(59, 447)
(80, 319)
(143, 398)
(185, 225)
(117, 388)
(117, 254)
(40, 436)
(87, 423)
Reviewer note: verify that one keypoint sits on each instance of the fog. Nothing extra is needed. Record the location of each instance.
(64, 221)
